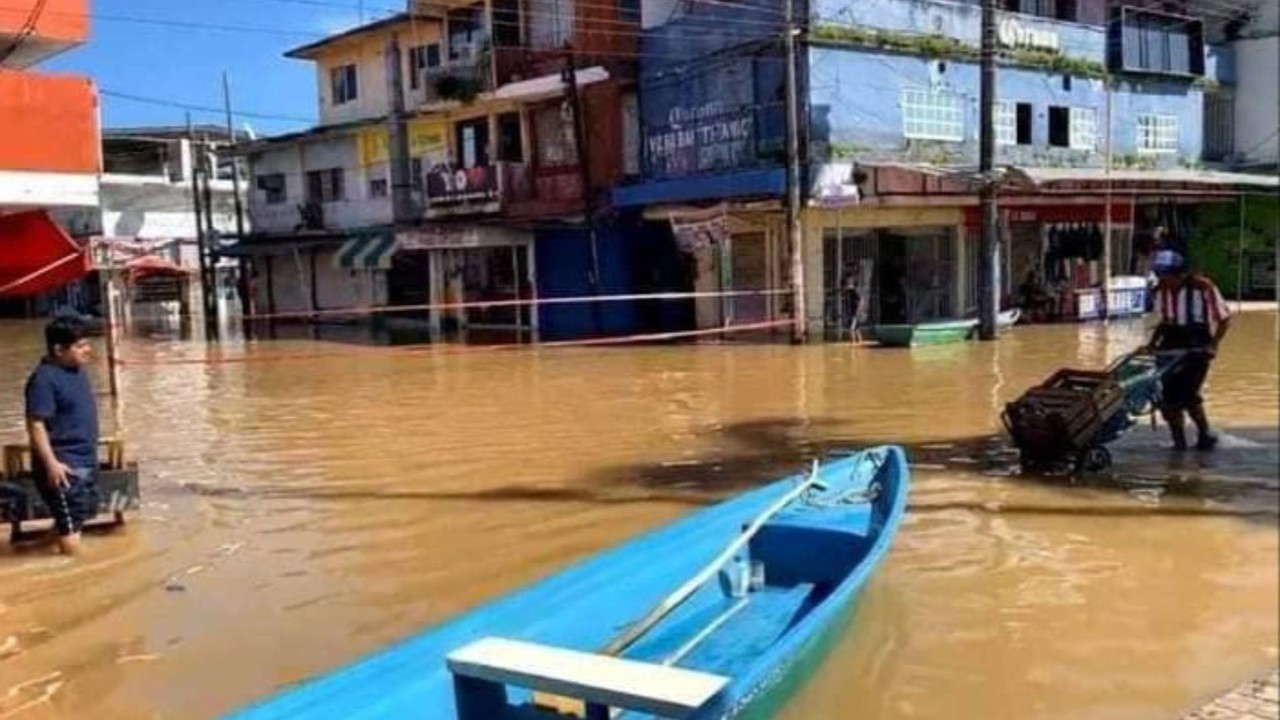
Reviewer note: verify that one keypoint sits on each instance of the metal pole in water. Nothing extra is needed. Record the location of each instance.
(989, 299)
(795, 233)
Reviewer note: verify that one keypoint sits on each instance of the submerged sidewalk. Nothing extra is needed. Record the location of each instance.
(1254, 700)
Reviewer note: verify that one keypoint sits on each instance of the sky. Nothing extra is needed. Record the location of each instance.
(129, 53)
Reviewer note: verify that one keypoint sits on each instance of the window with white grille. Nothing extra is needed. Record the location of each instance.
(1006, 124)
(1157, 134)
(932, 115)
(1084, 128)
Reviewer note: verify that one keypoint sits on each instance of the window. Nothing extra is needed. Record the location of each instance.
(550, 23)
(326, 186)
(1024, 123)
(466, 32)
(422, 57)
(1084, 128)
(416, 174)
(1006, 124)
(1157, 134)
(1148, 41)
(1057, 9)
(273, 188)
(554, 135)
(506, 23)
(1013, 123)
(378, 187)
(1059, 126)
(344, 84)
(932, 115)
(510, 142)
(629, 11)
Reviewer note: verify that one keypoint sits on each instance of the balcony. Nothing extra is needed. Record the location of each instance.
(49, 146)
(457, 81)
(60, 25)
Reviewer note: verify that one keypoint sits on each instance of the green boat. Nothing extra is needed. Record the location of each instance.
(927, 333)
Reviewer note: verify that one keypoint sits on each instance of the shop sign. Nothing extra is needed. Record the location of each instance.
(695, 235)
(453, 237)
(1014, 33)
(426, 140)
(446, 184)
(701, 138)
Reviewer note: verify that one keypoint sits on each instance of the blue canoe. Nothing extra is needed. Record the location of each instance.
(722, 614)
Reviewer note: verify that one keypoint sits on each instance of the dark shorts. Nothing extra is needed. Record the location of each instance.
(75, 505)
(1182, 383)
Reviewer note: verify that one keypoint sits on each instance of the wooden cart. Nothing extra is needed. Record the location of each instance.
(1066, 420)
(20, 502)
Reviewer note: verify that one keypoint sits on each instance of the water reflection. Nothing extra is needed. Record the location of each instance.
(304, 511)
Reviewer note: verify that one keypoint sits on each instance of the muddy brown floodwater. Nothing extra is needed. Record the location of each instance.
(299, 514)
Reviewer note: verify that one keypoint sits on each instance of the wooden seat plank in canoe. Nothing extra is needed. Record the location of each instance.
(482, 668)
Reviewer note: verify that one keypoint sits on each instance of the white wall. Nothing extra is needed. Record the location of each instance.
(294, 160)
(20, 190)
(153, 209)
(1258, 99)
(336, 288)
(371, 96)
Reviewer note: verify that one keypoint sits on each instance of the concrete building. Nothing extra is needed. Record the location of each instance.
(503, 204)
(49, 148)
(889, 139)
(146, 217)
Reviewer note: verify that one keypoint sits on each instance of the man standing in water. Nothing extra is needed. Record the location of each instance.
(1193, 320)
(62, 424)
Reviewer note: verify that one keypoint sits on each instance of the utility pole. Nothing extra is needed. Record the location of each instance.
(402, 203)
(795, 234)
(1106, 232)
(988, 261)
(246, 298)
(207, 172)
(584, 168)
(194, 154)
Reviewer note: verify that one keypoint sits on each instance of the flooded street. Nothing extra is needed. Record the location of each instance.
(301, 513)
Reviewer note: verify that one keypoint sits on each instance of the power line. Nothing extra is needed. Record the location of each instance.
(28, 28)
(199, 108)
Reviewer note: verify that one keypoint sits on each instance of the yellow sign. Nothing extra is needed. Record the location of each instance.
(426, 137)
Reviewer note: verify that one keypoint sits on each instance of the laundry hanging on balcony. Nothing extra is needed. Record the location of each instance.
(367, 252)
(37, 255)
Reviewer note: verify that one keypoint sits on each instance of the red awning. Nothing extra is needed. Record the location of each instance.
(37, 255)
(150, 265)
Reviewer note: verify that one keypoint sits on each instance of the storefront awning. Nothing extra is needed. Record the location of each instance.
(37, 255)
(151, 266)
(548, 86)
(367, 253)
(1042, 178)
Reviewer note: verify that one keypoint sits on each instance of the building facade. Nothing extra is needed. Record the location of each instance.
(49, 148)
(514, 118)
(889, 126)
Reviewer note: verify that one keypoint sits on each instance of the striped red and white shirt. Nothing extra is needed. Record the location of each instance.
(1197, 301)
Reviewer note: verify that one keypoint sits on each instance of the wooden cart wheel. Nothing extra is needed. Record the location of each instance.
(1094, 459)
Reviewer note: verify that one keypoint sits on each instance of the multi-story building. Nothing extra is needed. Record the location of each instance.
(49, 147)
(144, 228)
(1095, 99)
(510, 166)
(1255, 40)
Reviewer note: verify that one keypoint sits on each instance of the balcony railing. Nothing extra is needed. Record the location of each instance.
(458, 80)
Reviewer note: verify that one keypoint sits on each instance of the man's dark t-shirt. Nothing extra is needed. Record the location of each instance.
(63, 398)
